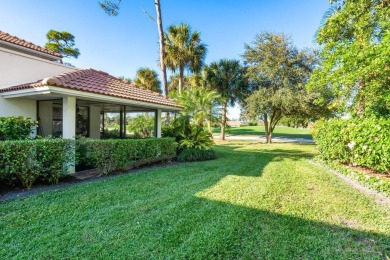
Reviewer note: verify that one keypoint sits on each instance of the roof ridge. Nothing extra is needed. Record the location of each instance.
(63, 78)
(6, 37)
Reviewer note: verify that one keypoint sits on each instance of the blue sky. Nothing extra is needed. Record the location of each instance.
(120, 45)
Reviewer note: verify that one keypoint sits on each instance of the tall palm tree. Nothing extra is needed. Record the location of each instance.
(183, 50)
(227, 78)
(112, 8)
(148, 78)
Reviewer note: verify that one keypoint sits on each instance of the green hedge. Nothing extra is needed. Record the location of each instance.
(16, 128)
(28, 160)
(358, 142)
(110, 155)
(48, 159)
(194, 154)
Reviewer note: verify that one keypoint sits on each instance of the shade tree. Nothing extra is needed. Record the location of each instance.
(278, 73)
(62, 43)
(355, 57)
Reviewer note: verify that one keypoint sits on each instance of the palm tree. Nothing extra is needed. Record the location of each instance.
(173, 84)
(183, 50)
(197, 102)
(148, 78)
(227, 78)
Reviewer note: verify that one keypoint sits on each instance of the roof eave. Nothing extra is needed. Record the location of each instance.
(24, 93)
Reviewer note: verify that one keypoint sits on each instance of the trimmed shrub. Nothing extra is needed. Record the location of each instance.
(117, 154)
(28, 160)
(54, 156)
(110, 134)
(193, 154)
(18, 158)
(16, 128)
(359, 142)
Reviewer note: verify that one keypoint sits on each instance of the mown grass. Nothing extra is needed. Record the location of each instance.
(255, 201)
(280, 131)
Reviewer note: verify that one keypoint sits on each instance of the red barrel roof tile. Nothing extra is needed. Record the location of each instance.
(94, 81)
(23, 43)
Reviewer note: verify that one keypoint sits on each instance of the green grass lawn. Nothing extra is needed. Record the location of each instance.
(255, 201)
(280, 131)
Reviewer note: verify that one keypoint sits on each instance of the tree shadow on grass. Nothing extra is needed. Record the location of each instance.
(178, 213)
(229, 231)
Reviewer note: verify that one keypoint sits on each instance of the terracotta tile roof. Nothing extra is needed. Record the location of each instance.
(23, 43)
(94, 81)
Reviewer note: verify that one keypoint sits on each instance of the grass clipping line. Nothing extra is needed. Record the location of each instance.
(369, 184)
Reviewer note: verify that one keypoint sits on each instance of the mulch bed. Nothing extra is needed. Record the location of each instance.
(370, 172)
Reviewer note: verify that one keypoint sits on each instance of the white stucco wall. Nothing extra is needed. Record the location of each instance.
(18, 107)
(18, 68)
(46, 117)
(94, 122)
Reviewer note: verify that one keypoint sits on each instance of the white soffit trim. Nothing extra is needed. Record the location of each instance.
(26, 92)
(108, 99)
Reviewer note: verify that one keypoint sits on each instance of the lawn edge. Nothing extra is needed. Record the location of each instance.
(372, 186)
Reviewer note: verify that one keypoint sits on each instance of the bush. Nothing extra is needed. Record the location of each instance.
(142, 126)
(28, 160)
(188, 135)
(16, 128)
(193, 154)
(359, 142)
(110, 155)
(54, 156)
(18, 158)
(110, 134)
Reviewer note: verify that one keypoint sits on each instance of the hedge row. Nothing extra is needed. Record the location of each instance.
(358, 142)
(49, 159)
(28, 160)
(117, 154)
(16, 128)
(194, 154)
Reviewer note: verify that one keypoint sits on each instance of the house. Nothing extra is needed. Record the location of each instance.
(67, 101)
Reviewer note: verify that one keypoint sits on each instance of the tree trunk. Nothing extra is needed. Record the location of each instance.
(181, 79)
(268, 129)
(223, 120)
(162, 46)
(209, 118)
(269, 138)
